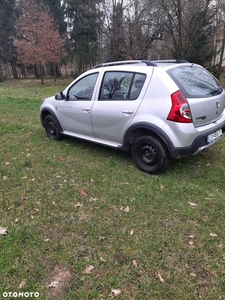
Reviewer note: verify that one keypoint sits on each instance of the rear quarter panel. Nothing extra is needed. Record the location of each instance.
(156, 103)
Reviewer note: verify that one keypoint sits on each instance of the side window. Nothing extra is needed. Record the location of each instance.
(121, 86)
(137, 85)
(83, 89)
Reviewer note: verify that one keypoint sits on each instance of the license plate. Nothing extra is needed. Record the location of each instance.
(213, 136)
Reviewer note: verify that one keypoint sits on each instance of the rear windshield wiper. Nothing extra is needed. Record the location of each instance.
(217, 91)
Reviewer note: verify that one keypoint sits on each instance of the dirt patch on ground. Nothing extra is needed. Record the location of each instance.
(55, 284)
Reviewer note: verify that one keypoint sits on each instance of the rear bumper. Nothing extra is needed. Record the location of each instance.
(198, 145)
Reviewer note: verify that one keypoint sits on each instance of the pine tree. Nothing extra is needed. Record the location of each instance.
(83, 25)
(8, 15)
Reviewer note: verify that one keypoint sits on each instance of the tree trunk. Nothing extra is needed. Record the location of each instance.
(1, 73)
(14, 70)
(54, 71)
(36, 71)
(45, 70)
(218, 73)
(40, 71)
(65, 67)
(24, 72)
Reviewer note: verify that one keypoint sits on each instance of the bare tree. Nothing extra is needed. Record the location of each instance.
(38, 40)
(190, 26)
(146, 27)
(219, 41)
(131, 28)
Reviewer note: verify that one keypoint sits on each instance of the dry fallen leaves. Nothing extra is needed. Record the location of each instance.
(21, 285)
(115, 292)
(53, 284)
(92, 199)
(135, 263)
(160, 277)
(102, 259)
(191, 242)
(3, 230)
(192, 204)
(58, 278)
(191, 236)
(78, 205)
(88, 270)
(84, 192)
(213, 234)
(126, 209)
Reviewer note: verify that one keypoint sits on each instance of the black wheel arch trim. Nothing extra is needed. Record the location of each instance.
(198, 142)
(155, 130)
(49, 111)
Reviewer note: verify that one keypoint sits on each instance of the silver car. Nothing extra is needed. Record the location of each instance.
(158, 110)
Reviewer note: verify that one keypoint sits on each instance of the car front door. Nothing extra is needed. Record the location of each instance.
(74, 111)
(119, 98)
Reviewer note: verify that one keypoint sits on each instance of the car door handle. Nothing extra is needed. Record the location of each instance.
(127, 112)
(86, 110)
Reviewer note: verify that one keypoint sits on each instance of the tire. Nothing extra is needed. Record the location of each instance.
(51, 128)
(150, 155)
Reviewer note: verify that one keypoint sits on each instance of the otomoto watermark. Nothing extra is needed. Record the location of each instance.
(21, 295)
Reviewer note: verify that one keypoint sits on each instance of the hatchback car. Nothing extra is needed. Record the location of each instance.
(158, 110)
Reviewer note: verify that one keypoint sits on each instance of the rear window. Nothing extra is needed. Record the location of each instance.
(195, 82)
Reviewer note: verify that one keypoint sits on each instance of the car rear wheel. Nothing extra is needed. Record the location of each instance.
(51, 128)
(150, 155)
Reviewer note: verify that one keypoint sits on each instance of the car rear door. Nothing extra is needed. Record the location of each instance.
(119, 98)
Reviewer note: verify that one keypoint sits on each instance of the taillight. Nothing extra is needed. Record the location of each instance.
(180, 111)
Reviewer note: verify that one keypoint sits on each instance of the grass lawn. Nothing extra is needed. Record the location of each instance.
(80, 221)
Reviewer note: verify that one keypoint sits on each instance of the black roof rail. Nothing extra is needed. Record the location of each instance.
(176, 61)
(149, 63)
(125, 62)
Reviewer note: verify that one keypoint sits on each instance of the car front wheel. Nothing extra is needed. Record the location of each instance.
(150, 155)
(51, 128)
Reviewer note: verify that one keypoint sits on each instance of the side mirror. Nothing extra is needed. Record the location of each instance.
(59, 96)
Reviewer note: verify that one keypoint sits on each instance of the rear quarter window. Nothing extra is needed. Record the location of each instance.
(195, 82)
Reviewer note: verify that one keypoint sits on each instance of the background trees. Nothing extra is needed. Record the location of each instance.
(131, 28)
(190, 25)
(106, 30)
(38, 41)
(8, 15)
(56, 10)
(83, 27)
